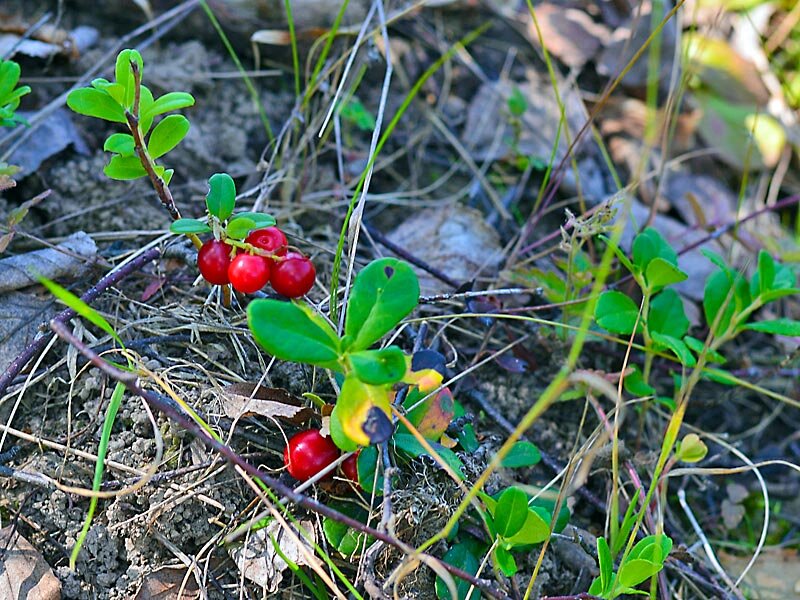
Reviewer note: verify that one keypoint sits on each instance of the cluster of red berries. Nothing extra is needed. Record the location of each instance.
(309, 452)
(291, 273)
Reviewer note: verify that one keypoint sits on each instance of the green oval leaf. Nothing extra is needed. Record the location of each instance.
(94, 103)
(680, 349)
(667, 315)
(378, 367)
(261, 220)
(124, 168)
(239, 227)
(189, 226)
(511, 512)
(661, 273)
(535, 530)
(221, 196)
(383, 293)
(717, 294)
(459, 556)
(167, 134)
(291, 331)
(522, 454)
(650, 244)
(776, 327)
(168, 102)
(124, 75)
(9, 77)
(616, 312)
(120, 143)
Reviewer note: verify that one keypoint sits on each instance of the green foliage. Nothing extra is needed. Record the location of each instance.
(729, 302)
(346, 540)
(645, 560)
(353, 111)
(464, 556)
(129, 102)
(522, 454)
(10, 94)
(220, 204)
(383, 293)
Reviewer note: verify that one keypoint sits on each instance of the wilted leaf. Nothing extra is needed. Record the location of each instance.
(165, 583)
(23, 571)
(245, 400)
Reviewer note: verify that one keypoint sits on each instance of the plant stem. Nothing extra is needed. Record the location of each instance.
(160, 186)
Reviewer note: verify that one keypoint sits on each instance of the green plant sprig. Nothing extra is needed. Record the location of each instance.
(127, 101)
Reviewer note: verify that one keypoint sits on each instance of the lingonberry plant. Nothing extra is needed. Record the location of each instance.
(10, 96)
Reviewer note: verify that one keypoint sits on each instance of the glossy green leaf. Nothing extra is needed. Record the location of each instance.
(94, 103)
(776, 327)
(677, 346)
(534, 530)
(698, 347)
(343, 538)
(667, 315)
(522, 454)
(635, 571)
(291, 331)
(616, 312)
(124, 168)
(378, 367)
(367, 463)
(261, 220)
(10, 72)
(765, 275)
(606, 564)
(239, 226)
(408, 444)
(650, 244)
(461, 556)
(661, 273)
(383, 293)
(124, 75)
(168, 102)
(504, 561)
(167, 134)
(635, 384)
(511, 512)
(221, 196)
(189, 226)
(654, 548)
(120, 143)
(717, 295)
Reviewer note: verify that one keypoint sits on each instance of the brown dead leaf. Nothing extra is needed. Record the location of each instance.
(244, 400)
(167, 583)
(569, 33)
(24, 574)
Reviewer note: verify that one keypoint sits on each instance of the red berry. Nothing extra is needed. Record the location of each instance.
(213, 261)
(307, 453)
(293, 276)
(270, 239)
(248, 273)
(350, 468)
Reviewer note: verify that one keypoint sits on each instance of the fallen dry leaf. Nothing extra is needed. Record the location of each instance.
(569, 33)
(24, 574)
(244, 400)
(167, 583)
(258, 560)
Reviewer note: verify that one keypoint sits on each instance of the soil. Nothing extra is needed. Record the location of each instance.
(192, 347)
